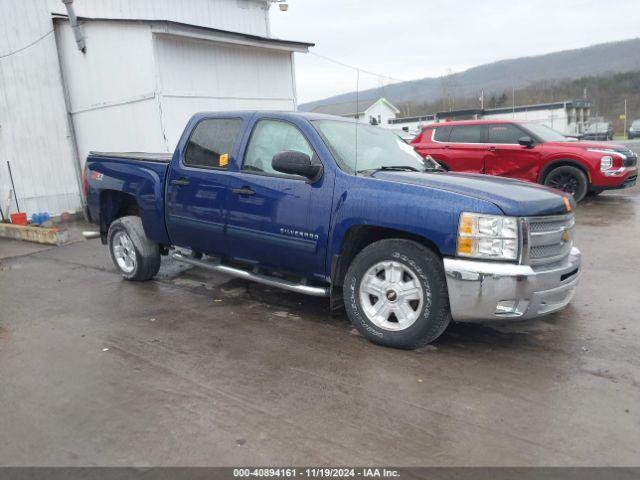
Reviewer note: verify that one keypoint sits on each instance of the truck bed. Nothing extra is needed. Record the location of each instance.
(138, 175)
(144, 156)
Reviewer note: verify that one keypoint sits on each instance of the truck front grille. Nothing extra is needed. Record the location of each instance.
(547, 239)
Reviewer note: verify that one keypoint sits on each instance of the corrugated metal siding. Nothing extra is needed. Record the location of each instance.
(33, 125)
(199, 75)
(119, 66)
(247, 16)
(126, 96)
(34, 132)
(113, 88)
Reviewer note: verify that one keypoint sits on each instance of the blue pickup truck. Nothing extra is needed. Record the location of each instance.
(324, 206)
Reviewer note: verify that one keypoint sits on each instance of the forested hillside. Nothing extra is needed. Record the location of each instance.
(606, 92)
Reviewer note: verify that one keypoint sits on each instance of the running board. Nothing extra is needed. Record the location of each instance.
(89, 235)
(256, 277)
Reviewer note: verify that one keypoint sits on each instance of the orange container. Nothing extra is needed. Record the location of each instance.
(19, 218)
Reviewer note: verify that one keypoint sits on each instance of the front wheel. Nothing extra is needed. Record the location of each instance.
(134, 255)
(569, 179)
(396, 294)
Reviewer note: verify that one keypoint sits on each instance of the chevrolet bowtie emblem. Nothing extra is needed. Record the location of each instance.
(565, 236)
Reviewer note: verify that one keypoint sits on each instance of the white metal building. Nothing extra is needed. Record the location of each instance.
(148, 66)
(569, 117)
(379, 111)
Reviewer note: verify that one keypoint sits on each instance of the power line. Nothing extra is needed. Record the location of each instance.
(27, 46)
(338, 62)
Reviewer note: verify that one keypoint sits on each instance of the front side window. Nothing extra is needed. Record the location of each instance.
(211, 143)
(504, 133)
(466, 134)
(269, 138)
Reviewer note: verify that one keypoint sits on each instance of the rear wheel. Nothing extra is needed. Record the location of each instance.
(396, 294)
(133, 254)
(569, 179)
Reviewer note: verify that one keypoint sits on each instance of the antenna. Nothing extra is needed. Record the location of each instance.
(357, 116)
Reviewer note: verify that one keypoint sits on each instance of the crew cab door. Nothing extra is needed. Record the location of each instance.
(198, 186)
(507, 158)
(277, 220)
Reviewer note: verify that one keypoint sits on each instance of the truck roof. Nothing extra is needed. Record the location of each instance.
(276, 113)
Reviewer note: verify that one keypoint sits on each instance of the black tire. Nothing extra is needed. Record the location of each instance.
(433, 310)
(569, 179)
(144, 252)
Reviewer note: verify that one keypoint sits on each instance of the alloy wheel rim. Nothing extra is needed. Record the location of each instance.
(124, 252)
(391, 295)
(566, 182)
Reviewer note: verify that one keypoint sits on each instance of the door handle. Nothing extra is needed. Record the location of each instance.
(180, 181)
(492, 149)
(243, 191)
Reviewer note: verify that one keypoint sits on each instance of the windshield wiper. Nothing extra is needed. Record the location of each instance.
(395, 168)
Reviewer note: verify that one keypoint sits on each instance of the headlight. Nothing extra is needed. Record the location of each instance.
(606, 163)
(488, 236)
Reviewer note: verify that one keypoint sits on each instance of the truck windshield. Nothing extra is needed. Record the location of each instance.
(377, 148)
(545, 133)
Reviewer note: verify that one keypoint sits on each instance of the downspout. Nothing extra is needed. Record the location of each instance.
(73, 21)
(267, 20)
(70, 125)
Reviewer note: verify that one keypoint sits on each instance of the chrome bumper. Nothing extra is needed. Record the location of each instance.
(484, 290)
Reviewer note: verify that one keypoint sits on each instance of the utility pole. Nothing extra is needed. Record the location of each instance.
(626, 132)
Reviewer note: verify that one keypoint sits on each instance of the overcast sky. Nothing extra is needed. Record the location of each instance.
(410, 39)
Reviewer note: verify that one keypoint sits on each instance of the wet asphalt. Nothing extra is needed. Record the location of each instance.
(195, 368)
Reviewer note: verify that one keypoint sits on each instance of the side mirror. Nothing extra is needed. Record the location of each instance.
(296, 163)
(526, 141)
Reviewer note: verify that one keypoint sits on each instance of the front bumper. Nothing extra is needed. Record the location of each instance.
(623, 177)
(476, 288)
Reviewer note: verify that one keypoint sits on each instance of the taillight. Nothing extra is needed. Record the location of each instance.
(85, 183)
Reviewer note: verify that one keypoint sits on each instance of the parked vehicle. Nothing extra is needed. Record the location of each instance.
(598, 131)
(291, 200)
(634, 129)
(531, 152)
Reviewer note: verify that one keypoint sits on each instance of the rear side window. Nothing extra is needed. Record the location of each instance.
(442, 134)
(504, 133)
(211, 143)
(466, 134)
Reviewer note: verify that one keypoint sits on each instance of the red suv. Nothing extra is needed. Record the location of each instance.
(531, 152)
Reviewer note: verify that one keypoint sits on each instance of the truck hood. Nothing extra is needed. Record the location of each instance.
(513, 197)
